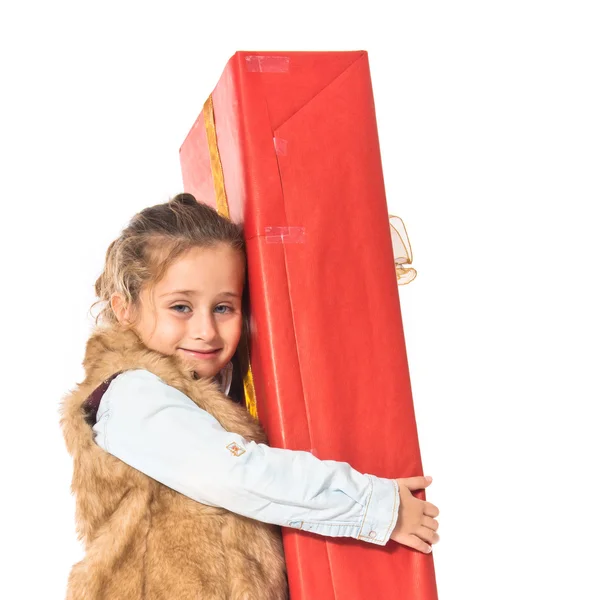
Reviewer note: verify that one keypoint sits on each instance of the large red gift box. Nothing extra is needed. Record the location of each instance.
(290, 139)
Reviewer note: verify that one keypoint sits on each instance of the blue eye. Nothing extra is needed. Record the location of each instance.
(227, 309)
(221, 309)
(179, 306)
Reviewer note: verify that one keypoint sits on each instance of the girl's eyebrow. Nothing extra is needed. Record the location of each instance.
(194, 293)
(183, 292)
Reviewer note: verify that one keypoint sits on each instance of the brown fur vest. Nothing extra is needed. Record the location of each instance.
(143, 540)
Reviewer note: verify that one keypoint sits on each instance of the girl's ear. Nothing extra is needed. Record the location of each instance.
(120, 308)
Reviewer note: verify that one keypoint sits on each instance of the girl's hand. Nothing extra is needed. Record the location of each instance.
(415, 525)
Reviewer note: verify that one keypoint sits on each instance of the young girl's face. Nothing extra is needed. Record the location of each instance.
(197, 311)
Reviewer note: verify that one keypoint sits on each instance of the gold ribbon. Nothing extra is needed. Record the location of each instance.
(402, 251)
(215, 158)
(216, 168)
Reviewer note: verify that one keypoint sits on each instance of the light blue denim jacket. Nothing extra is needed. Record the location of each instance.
(161, 432)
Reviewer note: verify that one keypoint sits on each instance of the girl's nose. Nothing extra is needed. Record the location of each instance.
(204, 328)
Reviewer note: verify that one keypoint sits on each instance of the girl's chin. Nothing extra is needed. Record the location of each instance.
(199, 366)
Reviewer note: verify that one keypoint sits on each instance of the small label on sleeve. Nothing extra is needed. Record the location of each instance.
(235, 449)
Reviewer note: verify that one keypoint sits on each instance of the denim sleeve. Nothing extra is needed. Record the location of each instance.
(158, 430)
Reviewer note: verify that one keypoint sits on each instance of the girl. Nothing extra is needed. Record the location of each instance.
(177, 493)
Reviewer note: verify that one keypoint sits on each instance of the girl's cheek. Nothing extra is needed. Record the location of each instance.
(232, 331)
(174, 325)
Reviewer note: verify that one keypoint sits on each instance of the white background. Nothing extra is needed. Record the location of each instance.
(490, 137)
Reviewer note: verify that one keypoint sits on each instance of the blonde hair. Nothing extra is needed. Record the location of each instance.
(152, 241)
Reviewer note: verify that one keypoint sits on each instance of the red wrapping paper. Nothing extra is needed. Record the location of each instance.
(297, 138)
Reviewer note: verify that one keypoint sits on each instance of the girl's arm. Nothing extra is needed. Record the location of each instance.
(159, 431)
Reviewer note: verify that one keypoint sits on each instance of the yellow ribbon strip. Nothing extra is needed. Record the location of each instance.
(215, 158)
(216, 168)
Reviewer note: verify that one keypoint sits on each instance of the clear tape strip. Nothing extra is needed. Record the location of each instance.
(280, 146)
(267, 64)
(285, 235)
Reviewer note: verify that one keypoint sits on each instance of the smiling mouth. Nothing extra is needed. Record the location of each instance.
(202, 353)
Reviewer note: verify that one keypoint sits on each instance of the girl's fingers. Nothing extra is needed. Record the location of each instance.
(427, 535)
(430, 523)
(431, 510)
(418, 544)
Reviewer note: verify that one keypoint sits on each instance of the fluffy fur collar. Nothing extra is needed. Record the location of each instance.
(111, 349)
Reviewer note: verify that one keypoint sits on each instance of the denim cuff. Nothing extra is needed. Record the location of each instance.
(381, 513)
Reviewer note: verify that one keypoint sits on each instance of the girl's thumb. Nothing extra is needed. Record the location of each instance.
(417, 483)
